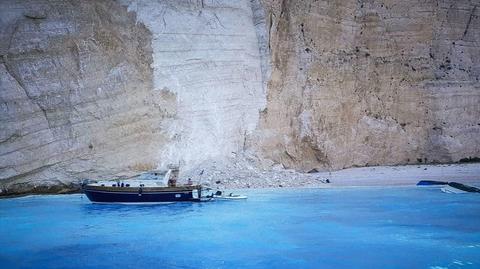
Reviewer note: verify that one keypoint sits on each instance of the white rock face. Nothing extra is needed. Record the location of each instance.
(207, 54)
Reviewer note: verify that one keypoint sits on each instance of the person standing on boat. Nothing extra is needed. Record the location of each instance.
(172, 180)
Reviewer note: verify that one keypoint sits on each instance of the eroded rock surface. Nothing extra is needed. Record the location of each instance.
(358, 83)
(76, 95)
(207, 53)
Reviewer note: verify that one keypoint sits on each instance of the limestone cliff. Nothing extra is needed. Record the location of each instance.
(206, 52)
(358, 83)
(75, 94)
(108, 88)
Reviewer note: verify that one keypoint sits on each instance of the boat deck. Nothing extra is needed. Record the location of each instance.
(144, 188)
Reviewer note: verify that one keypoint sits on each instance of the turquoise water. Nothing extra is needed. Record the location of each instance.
(315, 228)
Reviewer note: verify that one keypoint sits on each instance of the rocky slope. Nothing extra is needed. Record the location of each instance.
(109, 88)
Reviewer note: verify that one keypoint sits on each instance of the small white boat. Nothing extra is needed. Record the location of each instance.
(219, 195)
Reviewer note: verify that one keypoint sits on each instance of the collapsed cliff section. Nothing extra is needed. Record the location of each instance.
(207, 53)
(76, 95)
(358, 83)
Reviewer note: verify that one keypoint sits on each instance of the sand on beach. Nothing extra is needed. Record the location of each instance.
(404, 175)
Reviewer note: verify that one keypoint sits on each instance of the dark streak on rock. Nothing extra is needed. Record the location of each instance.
(469, 21)
(270, 32)
(11, 138)
(218, 19)
(290, 156)
(35, 15)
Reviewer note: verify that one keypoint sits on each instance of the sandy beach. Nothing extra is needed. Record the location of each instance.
(352, 177)
(405, 175)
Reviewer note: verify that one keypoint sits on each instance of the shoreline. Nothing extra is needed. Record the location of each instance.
(375, 176)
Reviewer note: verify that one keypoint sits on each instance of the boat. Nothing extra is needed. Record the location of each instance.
(463, 187)
(149, 188)
(219, 195)
(430, 182)
(142, 194)
(455, 187)
(448, 189)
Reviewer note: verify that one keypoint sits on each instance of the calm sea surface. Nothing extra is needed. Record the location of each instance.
(313, 228)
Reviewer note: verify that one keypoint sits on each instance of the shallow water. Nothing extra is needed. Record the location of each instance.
(312, 228)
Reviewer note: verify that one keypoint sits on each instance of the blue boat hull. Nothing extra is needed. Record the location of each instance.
(430, 183)
(463, 187)
(132, 195)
